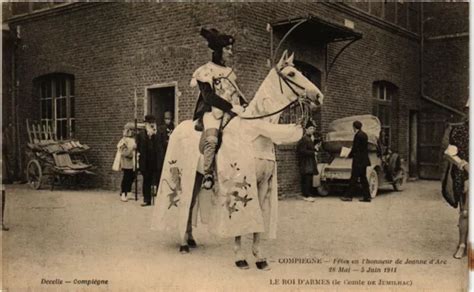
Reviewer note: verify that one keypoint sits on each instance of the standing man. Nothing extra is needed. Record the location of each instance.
(360, 161)
(307, 162)
(165, 130)
(151, 157)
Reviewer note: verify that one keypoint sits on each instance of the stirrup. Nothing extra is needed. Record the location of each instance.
(208, 182)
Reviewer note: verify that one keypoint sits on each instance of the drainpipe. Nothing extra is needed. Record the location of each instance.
(15, 107)
(422, 83)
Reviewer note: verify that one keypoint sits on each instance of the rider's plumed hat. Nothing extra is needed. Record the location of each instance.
(216, 40)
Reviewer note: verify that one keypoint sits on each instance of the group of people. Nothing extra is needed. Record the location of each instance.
(307, 150)
(150, 146)
(219, 100)
(455, 184)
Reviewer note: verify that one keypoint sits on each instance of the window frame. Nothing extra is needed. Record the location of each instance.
(52, 80)
(384, 101)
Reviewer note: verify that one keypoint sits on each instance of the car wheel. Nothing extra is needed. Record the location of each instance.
(323, 190)
(373, 179)
(400, 180)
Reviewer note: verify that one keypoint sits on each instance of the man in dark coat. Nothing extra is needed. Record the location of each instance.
(360, 161)
(151, 157)
(164, 131)
(307, 162)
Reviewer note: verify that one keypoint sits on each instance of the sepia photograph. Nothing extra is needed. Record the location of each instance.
(235, 146)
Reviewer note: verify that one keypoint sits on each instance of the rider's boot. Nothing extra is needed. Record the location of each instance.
(209, 151)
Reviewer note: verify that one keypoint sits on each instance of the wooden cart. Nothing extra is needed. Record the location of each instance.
(52, 160)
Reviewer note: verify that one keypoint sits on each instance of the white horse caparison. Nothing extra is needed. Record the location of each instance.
(283, 85)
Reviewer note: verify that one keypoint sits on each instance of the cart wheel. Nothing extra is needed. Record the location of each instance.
(34, 174)
(400, 180)
(323, 190)
(373, 179)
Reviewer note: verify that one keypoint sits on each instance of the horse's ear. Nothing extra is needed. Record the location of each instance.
(289, 61)
(283, 58)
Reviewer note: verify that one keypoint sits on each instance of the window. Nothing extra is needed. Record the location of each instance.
(413, 17)
(384, 94)
(56, 92)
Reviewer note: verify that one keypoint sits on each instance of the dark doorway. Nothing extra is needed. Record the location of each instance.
(160, 100)
(313, 75)
(430, 134)
(310, 72)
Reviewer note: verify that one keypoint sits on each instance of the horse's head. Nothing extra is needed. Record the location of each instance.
(293, 84)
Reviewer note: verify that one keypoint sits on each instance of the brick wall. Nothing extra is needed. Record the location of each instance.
(446, 60)
(112, 49)
(379, 55)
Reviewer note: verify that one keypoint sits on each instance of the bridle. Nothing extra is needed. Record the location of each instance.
(301, 99)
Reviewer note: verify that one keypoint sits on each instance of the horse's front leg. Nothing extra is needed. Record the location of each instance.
(239, 257)
(188, 240)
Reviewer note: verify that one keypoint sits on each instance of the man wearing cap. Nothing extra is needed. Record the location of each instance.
(219, 97)
(306, 149)
(360, 161)
(151, 157)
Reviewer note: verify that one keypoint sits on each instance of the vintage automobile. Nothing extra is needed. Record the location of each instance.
(386, 167)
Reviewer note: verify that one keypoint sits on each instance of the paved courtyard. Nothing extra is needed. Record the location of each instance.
(61, 239)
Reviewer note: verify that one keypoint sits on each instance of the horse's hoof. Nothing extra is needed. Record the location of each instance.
(192, 243)
(460, 252)
(242, 264)
(184, 249)
(262, 265)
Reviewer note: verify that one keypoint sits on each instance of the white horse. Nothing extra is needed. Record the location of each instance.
(284, 85)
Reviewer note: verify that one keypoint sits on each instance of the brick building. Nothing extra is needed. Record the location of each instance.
(80, 66)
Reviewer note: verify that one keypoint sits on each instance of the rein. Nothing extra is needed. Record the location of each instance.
(301, 100)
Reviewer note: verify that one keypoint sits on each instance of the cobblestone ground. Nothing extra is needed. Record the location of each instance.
(68, 235)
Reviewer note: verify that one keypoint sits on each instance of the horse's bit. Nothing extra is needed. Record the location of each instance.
(302, 100)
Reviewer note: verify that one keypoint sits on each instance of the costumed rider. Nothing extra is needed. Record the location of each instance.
(457, 153)
(219, 100)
